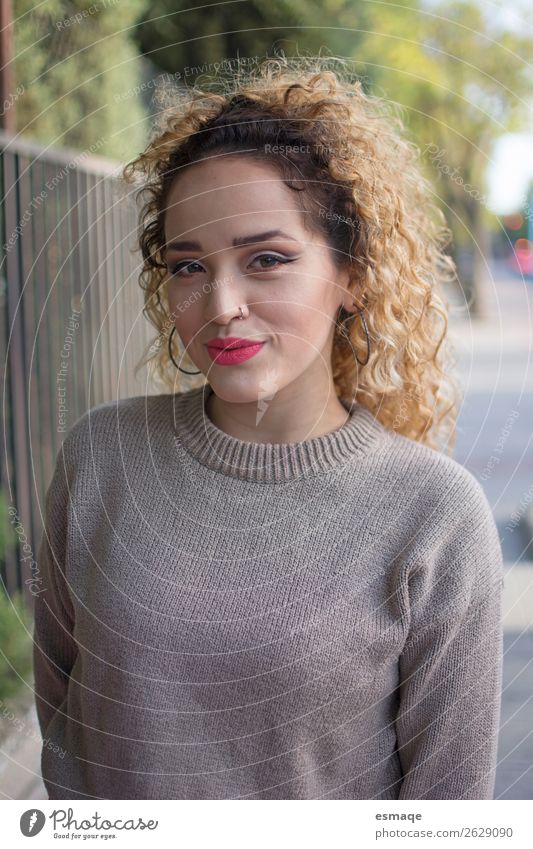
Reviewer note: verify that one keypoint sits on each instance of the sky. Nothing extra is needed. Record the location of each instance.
(512, 155)
(509, 172)
(512, 165)
(515, 15)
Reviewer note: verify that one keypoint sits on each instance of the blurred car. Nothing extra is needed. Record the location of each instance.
(520, 260)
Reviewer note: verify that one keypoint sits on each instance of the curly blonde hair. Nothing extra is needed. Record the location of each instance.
(358, 180)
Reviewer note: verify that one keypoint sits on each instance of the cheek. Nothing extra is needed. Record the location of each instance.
(172, 301)
(310, 318)
(311, 296)
(302, 330)
(186, 316)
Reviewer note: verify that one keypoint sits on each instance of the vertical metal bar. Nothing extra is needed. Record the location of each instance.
(118, 326)
(29, 203)
(75, 271)
(96, 384)
(55, 300)
(16, 360)
(107, 352)
(125, 300)
(7, 106)
(9, 558)
(43, 363)
(84, 274)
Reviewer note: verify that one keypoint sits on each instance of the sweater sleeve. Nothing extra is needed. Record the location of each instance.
(451, 665)
(54, 648)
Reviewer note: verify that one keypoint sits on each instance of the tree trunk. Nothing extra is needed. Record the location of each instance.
(481, 274)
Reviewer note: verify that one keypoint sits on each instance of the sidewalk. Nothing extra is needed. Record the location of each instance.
(20, 770)
(495, 442)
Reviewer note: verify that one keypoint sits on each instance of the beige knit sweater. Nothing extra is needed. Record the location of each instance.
(221, 619)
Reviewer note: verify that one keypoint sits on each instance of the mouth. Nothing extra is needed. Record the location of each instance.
(233, 352)
(231, 343)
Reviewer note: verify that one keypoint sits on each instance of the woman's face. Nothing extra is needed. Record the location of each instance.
(220, 255)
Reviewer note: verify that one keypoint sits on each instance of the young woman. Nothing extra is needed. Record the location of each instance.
(276, 584)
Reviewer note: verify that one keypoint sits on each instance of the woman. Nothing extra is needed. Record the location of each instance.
(276, 584)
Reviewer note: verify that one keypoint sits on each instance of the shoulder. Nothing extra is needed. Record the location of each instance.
(108, 446)
(449, 535)
(103, 428)
(441, 489)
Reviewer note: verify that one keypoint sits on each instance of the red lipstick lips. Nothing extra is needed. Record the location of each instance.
(232, 350)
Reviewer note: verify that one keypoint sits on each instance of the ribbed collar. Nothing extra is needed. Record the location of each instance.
(269, 462)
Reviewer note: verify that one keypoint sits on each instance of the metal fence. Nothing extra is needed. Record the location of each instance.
(71, 329)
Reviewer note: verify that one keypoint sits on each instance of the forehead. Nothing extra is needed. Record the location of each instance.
(226, 190)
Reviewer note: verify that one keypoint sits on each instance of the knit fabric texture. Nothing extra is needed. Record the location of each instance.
(221, 619)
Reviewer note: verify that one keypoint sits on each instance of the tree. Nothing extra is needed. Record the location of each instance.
(79, 69)
(190, 39)
(462, 81)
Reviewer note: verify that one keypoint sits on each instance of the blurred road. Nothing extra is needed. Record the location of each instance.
(494, 442)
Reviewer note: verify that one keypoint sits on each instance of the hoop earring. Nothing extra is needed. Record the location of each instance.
(172, 358)
(344, 332)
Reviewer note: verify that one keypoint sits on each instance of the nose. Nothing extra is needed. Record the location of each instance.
(222, 299)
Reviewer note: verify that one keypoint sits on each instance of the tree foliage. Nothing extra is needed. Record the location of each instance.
(462, 80)
(189, 39)
(79, 67)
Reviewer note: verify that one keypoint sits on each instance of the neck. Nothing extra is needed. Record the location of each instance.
(283, 417)
(270, 462)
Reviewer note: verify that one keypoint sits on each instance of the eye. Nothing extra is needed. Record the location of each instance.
(178, 269)
(275, 260)
(278, 260)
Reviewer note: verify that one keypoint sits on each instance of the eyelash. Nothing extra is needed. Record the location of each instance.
(185, 264)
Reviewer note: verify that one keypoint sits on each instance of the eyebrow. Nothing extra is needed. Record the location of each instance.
(240, 240)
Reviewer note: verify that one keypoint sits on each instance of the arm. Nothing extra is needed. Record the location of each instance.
(451, 666)
(54, 648)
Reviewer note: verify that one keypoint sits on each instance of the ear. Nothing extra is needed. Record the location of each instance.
(345, 289)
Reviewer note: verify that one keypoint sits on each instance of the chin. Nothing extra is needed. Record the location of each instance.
(243, 391)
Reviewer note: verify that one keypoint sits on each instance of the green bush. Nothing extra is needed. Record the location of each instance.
(7, 536)
(15, 644)
(15, 625)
